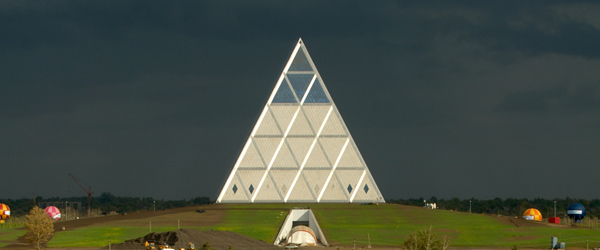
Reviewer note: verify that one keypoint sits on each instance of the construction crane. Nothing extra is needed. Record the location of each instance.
(89, 195)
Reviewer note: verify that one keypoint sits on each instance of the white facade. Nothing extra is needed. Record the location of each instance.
(300, 149)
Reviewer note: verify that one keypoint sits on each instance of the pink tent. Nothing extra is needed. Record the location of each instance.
(53, 212)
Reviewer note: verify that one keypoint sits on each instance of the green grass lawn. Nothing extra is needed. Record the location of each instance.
(389, 224)
(97, 236)
(386, 224)
(258, 224)
(9, 235)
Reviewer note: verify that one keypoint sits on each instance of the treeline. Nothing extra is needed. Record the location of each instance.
(509, 207)
(106, 202)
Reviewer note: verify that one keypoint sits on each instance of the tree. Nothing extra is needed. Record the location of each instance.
(425, 240)
(39, 227)
(206, 246)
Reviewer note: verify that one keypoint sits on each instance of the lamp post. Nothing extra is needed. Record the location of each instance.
(154, 205)
(554, 208)
(469, 206)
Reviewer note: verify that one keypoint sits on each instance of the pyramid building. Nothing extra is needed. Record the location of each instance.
(300, 150)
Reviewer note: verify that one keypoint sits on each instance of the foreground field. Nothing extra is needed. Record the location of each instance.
(258, 224)
(390, 224)
(7, 236)
(386, 225)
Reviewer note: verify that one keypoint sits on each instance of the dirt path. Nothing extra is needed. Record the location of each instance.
(213, 219)
(218, 240)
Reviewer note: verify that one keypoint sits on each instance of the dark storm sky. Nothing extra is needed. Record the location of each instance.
(445, 98)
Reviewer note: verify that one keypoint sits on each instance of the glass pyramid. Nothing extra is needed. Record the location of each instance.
(300, 150)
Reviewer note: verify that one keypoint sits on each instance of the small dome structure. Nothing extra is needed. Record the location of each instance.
(4, 212)
(532, 214)
(302, 235)
(576, 211)
(53, 212)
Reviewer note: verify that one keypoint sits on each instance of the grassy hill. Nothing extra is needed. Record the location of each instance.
(386, 224)
(390, 224)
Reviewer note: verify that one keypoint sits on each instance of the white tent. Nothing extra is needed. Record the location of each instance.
(302, 235)
(300, 227)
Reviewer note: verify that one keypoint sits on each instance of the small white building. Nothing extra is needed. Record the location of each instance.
(431, 205)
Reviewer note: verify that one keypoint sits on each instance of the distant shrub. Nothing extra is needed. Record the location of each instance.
(206, 246)
(426, 240)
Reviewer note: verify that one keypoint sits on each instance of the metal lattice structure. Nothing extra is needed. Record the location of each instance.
(300, 150)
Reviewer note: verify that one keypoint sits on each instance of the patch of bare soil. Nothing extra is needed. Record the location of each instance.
(213, 219)
(219, 240)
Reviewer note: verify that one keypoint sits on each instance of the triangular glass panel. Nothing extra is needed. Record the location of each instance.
(267, 147)
(251, 159)
(300, 62)
(301, 127)
(317, 159)
(300, 147)
(316, 94)
(333, 147)
(316, 114)
(284, 94)
(284, 158)
(349, 178)
(283, 179)
(268, 191)
(350, 158)
(300, 192)
(233, 193)
(333, 125)
(300, 83)
(334, 192)
(267, 126)
(316, 178)
(249, 178)
(283, 114)
(370, 192)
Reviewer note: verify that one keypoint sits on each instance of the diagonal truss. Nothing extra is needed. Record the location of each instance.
(300, 149)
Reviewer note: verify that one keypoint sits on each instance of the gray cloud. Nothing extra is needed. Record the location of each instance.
(559, 100)
(459, 95)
